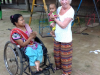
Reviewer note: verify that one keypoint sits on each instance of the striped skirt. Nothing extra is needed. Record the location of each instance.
(63, 56)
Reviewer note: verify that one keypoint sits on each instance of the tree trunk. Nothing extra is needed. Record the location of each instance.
(28, 5)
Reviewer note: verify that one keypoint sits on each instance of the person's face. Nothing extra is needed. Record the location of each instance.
(21, 21)
(52, 8)
(64, 3)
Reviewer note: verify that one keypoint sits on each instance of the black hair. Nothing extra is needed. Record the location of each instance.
(14, 18)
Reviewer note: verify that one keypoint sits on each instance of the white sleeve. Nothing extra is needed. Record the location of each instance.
(70, 14)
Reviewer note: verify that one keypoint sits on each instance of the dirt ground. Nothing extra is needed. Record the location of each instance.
(84, 62)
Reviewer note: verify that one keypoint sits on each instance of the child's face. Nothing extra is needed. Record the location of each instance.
(21, 21)
(52, 8)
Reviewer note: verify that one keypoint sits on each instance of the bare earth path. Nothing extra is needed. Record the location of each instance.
(84, 63)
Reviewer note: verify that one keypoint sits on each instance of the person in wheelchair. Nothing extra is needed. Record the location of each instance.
(23, 36)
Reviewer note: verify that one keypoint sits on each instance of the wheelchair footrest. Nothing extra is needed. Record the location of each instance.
(45, 70)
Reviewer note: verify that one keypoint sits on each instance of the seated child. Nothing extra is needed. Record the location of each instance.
(22, 35)
(52, 8)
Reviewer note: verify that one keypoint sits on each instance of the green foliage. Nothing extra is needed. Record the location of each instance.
(27, 12)
(81, 21)
(43, 22)
(35, 22)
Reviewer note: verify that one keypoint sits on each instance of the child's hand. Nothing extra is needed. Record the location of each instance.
(57, 16)
(52, 17)
(52, 24)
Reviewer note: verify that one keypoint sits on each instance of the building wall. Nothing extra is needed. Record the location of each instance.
(74, 2)
(47, 1)
(84, 3)
(18, 1)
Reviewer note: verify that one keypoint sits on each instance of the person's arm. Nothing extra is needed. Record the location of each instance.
(23, 44)
(64, 23)
(61, 24)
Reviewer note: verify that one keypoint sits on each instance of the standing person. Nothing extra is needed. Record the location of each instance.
(0, 11)
(22, 35)
(63, 37)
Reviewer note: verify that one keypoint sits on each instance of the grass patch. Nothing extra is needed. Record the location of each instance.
(27, 12)
(52, 53)
(87, 65)
(43, 22)
(82, 20)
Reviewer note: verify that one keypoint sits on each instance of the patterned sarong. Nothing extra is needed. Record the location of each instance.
(63, 56)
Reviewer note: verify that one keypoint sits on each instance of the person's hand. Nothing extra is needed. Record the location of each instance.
(52, 17)
(52, 33)
(52, 24)
(33, 34)
(57, 16)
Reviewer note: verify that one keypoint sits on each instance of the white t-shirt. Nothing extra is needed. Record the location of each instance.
(64, 35)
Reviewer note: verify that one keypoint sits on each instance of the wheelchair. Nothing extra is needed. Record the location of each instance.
(17, 62)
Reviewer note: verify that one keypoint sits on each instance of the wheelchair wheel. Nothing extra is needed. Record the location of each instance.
(12, 59)
(46, 72)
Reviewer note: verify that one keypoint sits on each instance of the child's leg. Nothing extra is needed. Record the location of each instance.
(52, 24)
(54, 28)
(52, 33)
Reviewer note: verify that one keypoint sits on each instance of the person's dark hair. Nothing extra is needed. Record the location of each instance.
(14, 18)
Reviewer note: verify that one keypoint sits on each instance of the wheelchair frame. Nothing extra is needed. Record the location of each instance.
(19, 62)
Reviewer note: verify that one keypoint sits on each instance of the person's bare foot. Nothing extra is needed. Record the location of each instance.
(37, 63)
(40, 69)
